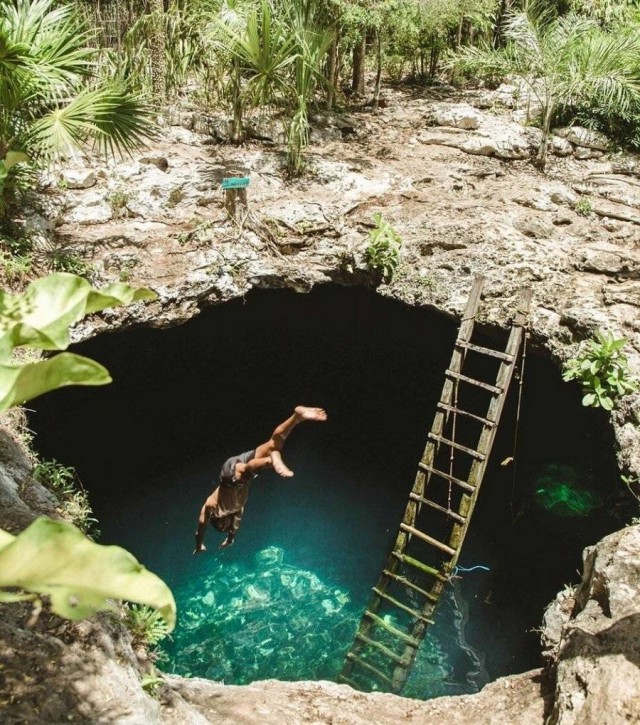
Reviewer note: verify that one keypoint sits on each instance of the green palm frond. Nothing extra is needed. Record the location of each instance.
(124, 120)
(115, 120)
(483, 59)
(16, 76)
(56, 38)
(568, 62)
(262, 48)
(603, 70)
(46, 102)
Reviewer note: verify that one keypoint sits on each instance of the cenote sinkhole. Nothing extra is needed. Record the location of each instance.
(285, 600)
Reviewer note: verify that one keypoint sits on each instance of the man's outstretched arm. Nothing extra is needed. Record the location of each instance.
(203, 520)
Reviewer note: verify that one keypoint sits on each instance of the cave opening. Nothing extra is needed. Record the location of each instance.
(285, 600)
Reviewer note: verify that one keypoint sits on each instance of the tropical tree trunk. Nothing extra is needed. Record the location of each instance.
(505, 6)
(541, 159)
(376, 90)
(237, 132)
(332, 73)
(433, 62)
(157, 43)
(359, 52)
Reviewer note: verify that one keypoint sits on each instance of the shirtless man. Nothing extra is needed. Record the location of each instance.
(225, 506)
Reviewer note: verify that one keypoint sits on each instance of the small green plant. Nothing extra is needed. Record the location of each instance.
(632, 484)
(175, 197)
(383, 253)
(118, 200)
(74, 502)
(147, 626)
(16, 269)
(583, 206)
(603, 371)
(150, 683)
(60, 479)
(18, 246)
(71, 263)
(200, 232)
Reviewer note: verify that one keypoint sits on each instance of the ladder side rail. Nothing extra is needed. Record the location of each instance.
(421, 481)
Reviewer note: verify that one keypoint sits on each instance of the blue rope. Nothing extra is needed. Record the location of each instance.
(456, 569)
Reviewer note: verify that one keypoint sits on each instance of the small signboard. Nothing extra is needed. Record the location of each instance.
(235, 182)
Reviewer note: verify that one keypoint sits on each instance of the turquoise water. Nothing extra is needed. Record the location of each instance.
(285, 600)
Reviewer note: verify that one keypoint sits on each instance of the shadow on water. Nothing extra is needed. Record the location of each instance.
(285, 600)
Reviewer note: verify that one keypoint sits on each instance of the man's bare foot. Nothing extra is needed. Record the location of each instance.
(278, 465)
(305, 413)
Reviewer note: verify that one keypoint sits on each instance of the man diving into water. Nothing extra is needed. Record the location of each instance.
(225, 506)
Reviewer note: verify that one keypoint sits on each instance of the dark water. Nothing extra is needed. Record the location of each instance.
(284, 601)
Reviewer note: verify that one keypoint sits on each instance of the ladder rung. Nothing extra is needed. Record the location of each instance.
(485, 350)
(379, 646)
(406, 583)
(410, 561)
(469, 451)
(402, 606)
(370, 668)
(446, 476)
(472, 381)
(391, 629)
(451, 514)
(347, 681)
(428, 539)
(466, 414)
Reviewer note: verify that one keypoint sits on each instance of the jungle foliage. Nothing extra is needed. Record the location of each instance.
(53, 96)
(56, 558)
(74, 71)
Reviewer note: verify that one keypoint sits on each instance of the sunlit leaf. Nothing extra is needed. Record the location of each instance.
(54, 558)
(41, 316)
(15, 157)
(21, 383)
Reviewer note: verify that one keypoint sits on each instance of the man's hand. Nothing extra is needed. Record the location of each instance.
(199, 549)
(227, 542)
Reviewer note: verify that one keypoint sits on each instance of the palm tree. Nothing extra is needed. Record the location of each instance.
(49, 98)
(157, 43)
(262, 50)
(566, 62)
(311, 45)
(276, 54)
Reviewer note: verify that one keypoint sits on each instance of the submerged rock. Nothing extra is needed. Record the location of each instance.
(270, 556)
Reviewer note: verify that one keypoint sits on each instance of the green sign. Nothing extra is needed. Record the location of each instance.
(235, 182)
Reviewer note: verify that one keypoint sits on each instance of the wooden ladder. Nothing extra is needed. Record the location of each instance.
(458, 446)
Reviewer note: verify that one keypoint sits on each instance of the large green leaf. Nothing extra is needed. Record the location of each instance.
(56, 559)
(15, 157)
(41, 316)
(19, 384)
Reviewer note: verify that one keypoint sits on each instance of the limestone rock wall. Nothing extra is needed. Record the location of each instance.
(592, 637)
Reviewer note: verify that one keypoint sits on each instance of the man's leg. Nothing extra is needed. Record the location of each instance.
(273, 447)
